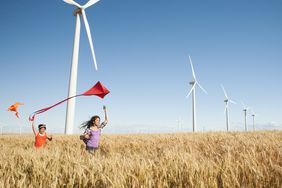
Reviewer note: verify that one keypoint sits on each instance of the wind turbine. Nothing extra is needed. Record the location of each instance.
(179, 124)
(253, 115)
(80, 11)
(226, 111)
(194, 83)
(245, 110)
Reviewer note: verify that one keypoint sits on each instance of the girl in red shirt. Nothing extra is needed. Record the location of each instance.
(40, 136)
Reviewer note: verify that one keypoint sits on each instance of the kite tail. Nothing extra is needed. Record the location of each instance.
(32, 116)
(17, 114)
(98, 89)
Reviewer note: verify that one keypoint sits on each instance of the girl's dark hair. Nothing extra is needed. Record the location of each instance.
(88, 124)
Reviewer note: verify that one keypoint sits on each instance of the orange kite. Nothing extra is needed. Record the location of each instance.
(14, 108)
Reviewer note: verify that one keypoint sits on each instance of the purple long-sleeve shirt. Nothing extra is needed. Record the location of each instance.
(94, 139)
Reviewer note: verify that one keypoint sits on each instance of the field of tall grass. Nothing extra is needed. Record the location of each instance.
(252, 159)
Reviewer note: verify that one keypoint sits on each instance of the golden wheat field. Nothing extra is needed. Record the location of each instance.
(149, 160)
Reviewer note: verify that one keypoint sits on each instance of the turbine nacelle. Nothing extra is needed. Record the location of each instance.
(253, 112)
(77, 11)
(245, 108)
(192, 82)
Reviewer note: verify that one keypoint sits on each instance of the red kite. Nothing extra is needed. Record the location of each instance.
(98, 89)
(14, 108)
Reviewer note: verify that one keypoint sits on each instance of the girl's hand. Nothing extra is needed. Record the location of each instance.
(50, 138)
(104, 108)
(86, 136)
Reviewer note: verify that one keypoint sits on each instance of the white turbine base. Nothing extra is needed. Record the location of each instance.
(194, 121)
(73, 80)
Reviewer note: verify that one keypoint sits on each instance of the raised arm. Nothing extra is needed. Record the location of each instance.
(33, 127)
(106, 114)
(106, 118)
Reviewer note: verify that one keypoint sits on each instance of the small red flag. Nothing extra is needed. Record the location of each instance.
(98, 89)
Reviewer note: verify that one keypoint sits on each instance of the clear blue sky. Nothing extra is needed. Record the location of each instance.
(142, 50)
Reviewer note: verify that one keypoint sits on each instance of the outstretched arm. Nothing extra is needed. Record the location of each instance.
(106, 114)
(33, 127)
(106, 118)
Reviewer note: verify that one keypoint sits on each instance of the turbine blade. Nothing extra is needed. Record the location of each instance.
(89, 37)
(201, 87)
(71, 2)
(90, 3)
(193, 87)
(193, 72)
(233, 102)
(224, 91)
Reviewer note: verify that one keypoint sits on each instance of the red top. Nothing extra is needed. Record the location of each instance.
(40, 140)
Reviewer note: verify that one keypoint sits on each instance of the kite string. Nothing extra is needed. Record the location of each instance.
(31, 117)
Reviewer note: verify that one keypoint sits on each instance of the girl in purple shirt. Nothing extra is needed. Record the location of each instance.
(91, 136)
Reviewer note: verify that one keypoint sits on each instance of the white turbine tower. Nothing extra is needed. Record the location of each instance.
(254, 115)
(179, 124)
(226, 111)
(80, 11)
(194, 83)
(245, 110)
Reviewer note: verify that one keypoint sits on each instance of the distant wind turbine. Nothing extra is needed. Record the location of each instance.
(73, 75)
(194, 83)
(245, 110)
(226, 111)
(253, 115)
(179, 124)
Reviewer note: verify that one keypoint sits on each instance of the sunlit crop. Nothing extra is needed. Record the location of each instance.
(157, 160)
